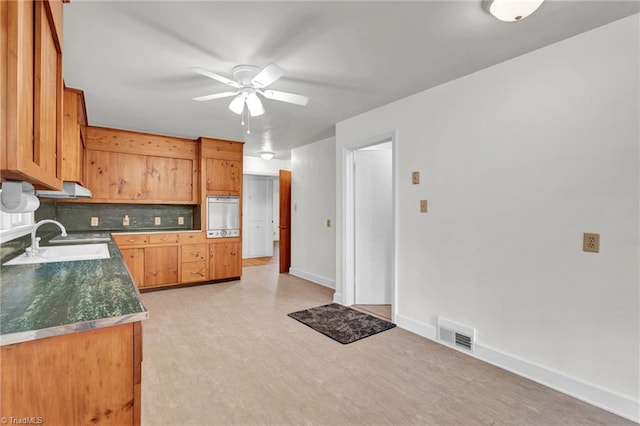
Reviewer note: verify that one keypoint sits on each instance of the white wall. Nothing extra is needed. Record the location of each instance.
(517, 161)
(313, 201)
(258, 166)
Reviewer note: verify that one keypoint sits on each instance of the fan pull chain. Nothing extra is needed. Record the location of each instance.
(248, 122)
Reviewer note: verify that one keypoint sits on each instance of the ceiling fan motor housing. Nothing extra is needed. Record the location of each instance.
(243, 74)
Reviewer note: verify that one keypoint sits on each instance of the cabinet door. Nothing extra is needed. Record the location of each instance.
(194, 272)
(162, 238)
(224, 177)
(225, 260)
(160, 265)
(169, 179)
(194, 252)
(72, 136)
(117, 177)
(131, 239)
(47, 91)
(73, 379)
(31, 68)
(134, 259)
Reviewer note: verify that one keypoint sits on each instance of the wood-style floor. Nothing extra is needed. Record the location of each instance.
(228, 354)
(380, 311)
(266, 260)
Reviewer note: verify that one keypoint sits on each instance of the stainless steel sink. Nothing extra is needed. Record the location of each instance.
(68, 253)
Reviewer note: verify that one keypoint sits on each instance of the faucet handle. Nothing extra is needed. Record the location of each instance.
(36, 244)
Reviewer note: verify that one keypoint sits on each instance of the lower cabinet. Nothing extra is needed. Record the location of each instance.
(134, 259)
(168, 259)
(225, 260)
(160, 266)
(194, 264)
(83, 378)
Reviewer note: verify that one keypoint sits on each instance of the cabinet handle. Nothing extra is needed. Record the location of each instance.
(131, 241)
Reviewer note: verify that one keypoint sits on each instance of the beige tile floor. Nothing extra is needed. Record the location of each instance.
(227, 354)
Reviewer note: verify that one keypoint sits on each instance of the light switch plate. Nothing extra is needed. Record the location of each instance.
(180, 220)
(94, 221)
(415, 178)
(424, 206)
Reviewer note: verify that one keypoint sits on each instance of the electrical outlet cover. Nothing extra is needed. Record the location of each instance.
(591, 243)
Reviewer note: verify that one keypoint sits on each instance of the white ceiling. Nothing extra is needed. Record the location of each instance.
(132, 58)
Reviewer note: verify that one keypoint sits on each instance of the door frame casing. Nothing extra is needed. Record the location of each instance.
(348, 217)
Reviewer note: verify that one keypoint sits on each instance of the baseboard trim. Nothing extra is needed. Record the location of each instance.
(337, 298)
(318, 279)
(612, 401)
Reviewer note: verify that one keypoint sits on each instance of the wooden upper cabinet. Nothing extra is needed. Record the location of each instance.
(224, 177)
(73, 135)
(32, 92)
(222, 162)
(133, 167)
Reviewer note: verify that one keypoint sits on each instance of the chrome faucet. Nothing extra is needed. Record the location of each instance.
(35, 242)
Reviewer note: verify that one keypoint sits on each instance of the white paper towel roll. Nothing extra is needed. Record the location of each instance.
(13, 200)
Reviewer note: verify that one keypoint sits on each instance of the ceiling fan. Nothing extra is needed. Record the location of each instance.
(250, 81)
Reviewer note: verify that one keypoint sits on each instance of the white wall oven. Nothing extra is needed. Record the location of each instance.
(223, 217)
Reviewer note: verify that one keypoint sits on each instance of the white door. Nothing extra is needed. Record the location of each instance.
(373, 225)
(257, 211)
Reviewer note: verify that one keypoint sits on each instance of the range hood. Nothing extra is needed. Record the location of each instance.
(69, 190)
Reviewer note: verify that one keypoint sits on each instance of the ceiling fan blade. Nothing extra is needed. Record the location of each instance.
(215, 96)
(215, 76)
(237, 104)
(292, 98)
(268, 75)
(255, 105)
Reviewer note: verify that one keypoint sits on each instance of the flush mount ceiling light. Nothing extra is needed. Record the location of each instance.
(266, 155)
(511, 10)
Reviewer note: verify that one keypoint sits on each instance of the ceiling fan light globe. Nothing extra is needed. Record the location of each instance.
(237, 104)
(255, 105)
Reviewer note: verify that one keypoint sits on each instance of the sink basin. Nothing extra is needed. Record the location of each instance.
(68, 253)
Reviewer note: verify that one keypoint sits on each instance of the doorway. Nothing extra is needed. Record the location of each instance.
(373, 210)
(257, 216)
(265, 219)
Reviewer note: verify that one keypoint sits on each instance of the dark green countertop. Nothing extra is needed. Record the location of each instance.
(49, 299)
